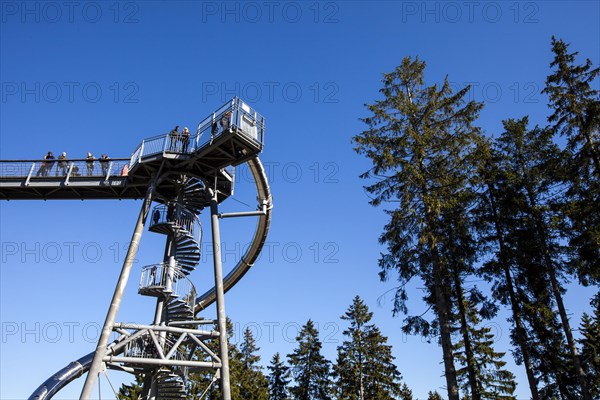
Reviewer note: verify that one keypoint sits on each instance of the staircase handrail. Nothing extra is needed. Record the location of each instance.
(178, 215)
(156, 276)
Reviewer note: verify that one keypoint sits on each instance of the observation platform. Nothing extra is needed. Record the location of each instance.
(230, 136)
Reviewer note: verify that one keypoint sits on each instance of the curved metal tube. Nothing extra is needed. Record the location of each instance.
(77, 368)
(59, 380)
(258, 241)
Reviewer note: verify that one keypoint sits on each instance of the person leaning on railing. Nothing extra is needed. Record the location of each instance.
(46, 165)
(104, 164)
(62, 164)
(89, 161)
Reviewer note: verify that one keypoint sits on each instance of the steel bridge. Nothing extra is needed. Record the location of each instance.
(182, 175)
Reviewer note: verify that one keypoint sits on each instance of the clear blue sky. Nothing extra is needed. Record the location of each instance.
(101, 76)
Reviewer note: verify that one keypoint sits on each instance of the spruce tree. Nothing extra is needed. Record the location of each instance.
(590, 346)
(421, 141)
(310, 370)
(492, 380)
(575, 103)
(576, 116)
(533, 160)
(460, 255)
(365, 365)
(206, 382)
(496, 222)
(251, 382)
(278, 379)
(434, 396)
(406, 393)
(132, 391)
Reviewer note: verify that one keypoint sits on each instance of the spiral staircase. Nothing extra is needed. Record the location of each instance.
(168, 282)
(181, 181)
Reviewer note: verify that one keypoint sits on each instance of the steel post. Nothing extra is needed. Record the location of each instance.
(115, 303)
(221, 317)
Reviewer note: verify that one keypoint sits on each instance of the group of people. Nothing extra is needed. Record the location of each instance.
(62, 165)
(179, 142)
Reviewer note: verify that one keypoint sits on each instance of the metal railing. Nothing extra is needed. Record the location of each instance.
(34, 169)
(235, 115)
(162, 277)
(178, 215)
(161, 144)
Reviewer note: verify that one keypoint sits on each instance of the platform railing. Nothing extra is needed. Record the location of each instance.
(161, 144)
(156, 276)
(179, 216)
(76, 168)
(235, 115)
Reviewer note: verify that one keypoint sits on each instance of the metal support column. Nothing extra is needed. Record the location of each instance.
(96, 366)
(221, 317)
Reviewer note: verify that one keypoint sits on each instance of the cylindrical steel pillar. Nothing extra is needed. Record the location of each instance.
(115, 303)
(221, 317)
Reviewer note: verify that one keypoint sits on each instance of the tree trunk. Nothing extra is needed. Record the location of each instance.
(593, 153)
(443, 311)
(556, 289)
(361, 388)
(515, 306)
(585, 126)
(475, 394)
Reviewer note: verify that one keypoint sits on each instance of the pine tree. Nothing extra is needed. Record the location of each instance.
(420, 141)
(250, 381)
(311, 371)
(365, 368)
(492, 380)
(590, 346)
(278, 379)
(576, 116)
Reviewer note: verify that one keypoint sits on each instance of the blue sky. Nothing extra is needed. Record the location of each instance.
(101, 76)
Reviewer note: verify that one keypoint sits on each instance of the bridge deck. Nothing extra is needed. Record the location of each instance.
(232, 135)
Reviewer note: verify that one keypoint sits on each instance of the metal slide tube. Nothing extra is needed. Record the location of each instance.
(111, 316)
(221, 317)
(258, 241)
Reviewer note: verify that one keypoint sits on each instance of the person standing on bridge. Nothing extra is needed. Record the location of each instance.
(43, 171)
(89, 161)
(185, 140)
(62, 164)
(104, 164)
(49, 159)
(174, 136)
